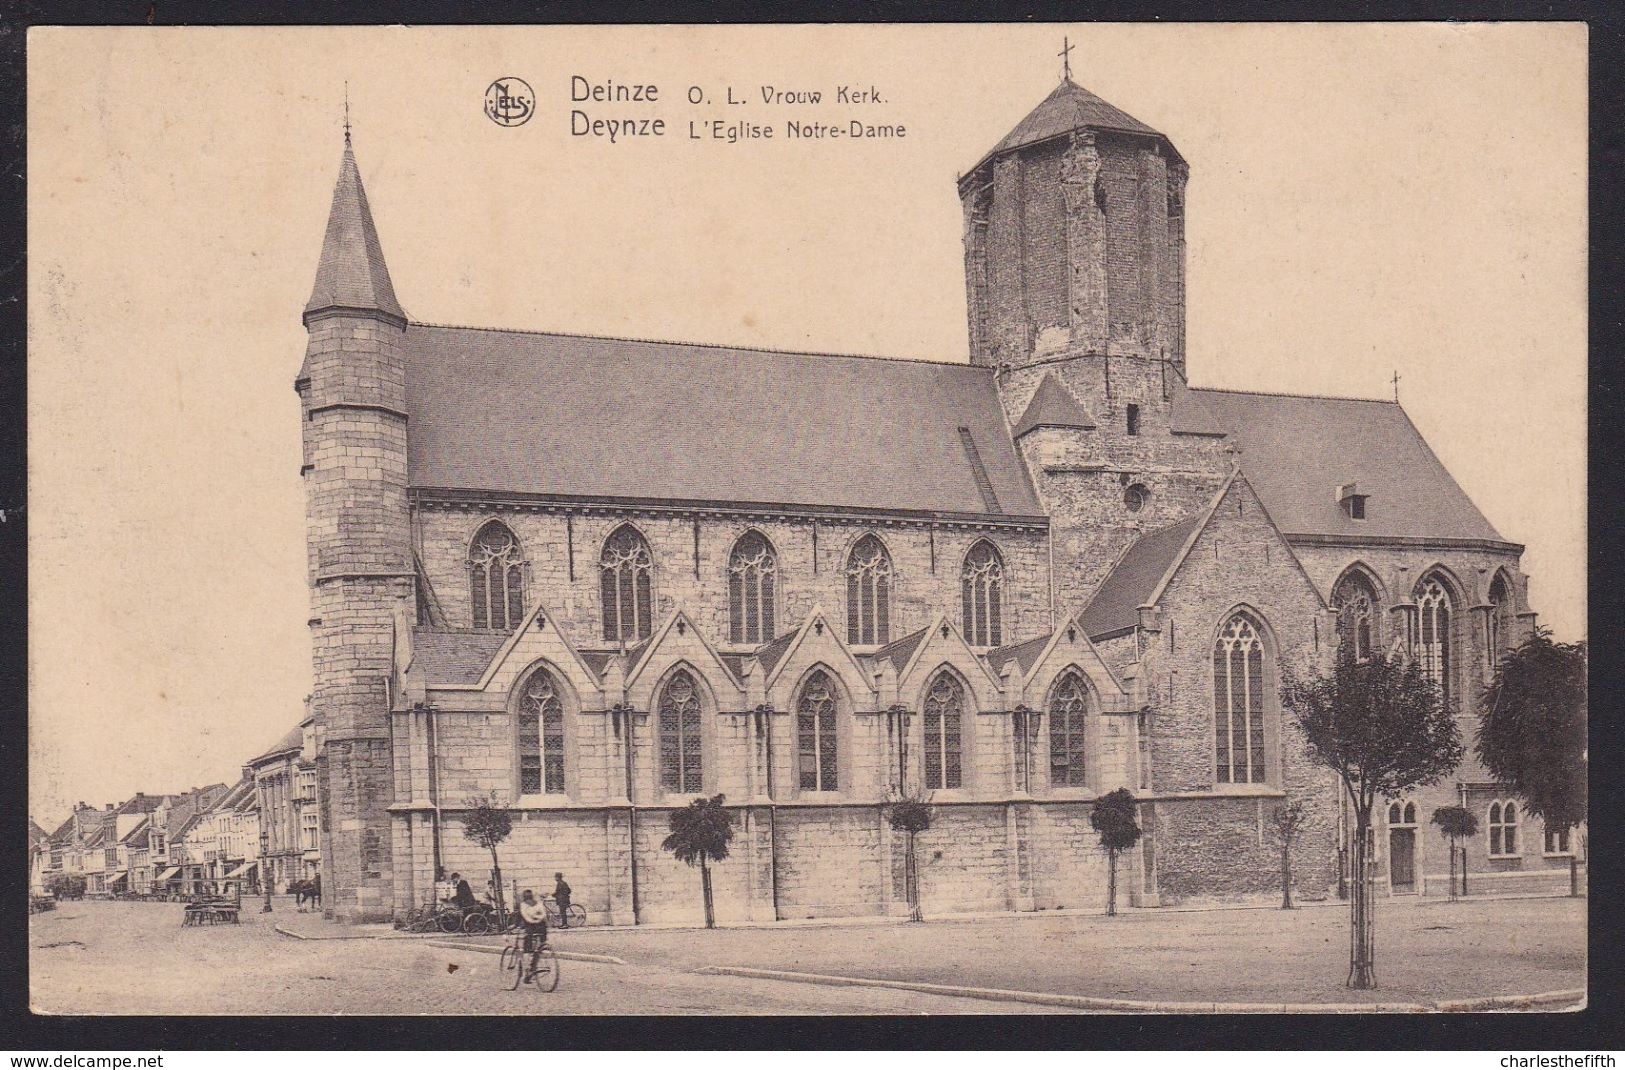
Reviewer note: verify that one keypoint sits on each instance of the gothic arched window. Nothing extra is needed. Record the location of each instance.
(1068, 710)
(626, 586)
(816, 734)
(1356, 604)
(1496, 622)
(868, 592)
(541, 736)
(1503, 826)
(680, 760)
(496, 578)
(752, 577)
(981, 592)
(944, 723)
(1433, 646)
(1238, 702)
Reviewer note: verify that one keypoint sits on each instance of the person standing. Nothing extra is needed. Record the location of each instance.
(561, 896)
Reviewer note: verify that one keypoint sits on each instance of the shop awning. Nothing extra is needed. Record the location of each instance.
(240, 870)
(114, 878)
(168, 873)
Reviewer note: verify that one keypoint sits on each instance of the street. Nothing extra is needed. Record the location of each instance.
(136, 958)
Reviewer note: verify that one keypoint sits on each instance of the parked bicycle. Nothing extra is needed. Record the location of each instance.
(539, 966)
(578, 913)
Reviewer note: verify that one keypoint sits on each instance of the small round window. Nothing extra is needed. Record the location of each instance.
(1135, 496)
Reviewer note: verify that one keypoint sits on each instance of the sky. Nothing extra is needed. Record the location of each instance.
(1363, 200)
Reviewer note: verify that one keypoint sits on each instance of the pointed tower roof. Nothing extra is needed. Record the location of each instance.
(1070, 107)
(1053, 405)
(352, 274)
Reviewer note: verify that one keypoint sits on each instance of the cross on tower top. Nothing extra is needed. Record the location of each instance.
(1396, 384)
(1066, 59)
(346, 113)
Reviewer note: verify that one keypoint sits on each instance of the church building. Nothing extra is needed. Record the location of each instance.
(1016, 585)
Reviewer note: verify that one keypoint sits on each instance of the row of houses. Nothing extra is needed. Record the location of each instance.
(218, 838)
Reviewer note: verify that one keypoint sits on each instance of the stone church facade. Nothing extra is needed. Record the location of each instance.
(1023, 582)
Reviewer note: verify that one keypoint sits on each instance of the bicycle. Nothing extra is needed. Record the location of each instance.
(542, 970)
(578, 913)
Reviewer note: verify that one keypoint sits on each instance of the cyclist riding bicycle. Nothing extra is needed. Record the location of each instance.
(534, 914)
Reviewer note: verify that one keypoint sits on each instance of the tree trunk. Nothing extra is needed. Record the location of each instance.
(705, 885)
(1574, 873)
(911, 879)
(1286, 874)
(496, 884)
(1452, 869)
(1111, 883)
(1362, 967)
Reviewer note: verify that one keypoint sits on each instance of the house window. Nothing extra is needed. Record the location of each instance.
(541, 737)
(1135, 496)
(307, 784)
(1401, 814)
(981, 591)
(680, 734)
(1355, 602)
(868, 592)
(1133, 419)
(752, 575)
(308, 830)
(496, 578)
(1433, 634)
(1503, 826)
(944, 720)
(1495, 622)
(815, 734)
(1068, 709)
(1354, 506)
(1238, 702)
(626, 571)
(1557, 841)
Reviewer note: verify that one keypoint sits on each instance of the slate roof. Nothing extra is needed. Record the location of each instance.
(768, 655)
(1187, 415)
(1025, 654)
(541, 414)
(142, 804)
(1052, 405)
(1116, 603)
(138, 834)
(184, 811)
(1068, 107)
(1297, 450)
(351, 273)
(36, 835)
(294, 740)
(454, 657)
(900, 650)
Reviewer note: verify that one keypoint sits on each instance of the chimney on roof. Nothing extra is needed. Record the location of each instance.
(109, 806)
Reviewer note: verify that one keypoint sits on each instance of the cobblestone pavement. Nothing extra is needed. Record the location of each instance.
(1426, 951)
(136, 958)
(133, 958)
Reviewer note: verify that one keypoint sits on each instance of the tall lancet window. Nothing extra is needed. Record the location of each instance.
(1433, 634)
(1238, 702)
(944, 726)
(981, 591)
(680, 760)
(1068, 710)
(627, 586)
(496, 576)
(541, 736)
(1495, 624)
(816, 736)
(752, 580)
(868, 592)
(1356, 604)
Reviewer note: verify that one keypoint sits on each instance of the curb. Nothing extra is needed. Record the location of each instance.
(570, 956)
(289, 933)
(1573, 998)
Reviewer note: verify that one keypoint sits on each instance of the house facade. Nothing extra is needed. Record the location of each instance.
(1011, 585)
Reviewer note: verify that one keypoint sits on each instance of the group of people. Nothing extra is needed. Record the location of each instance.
(532, 911)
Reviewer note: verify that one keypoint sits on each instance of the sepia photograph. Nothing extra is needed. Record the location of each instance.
(807, 519)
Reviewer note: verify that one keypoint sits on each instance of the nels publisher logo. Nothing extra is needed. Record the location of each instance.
(510, 102)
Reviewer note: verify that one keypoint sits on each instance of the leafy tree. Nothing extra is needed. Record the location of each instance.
(701, 833)
(911, 816)
(488, 823)
(1382, 726)
(1288, 820)
(1114, 819)
(1458, 823)
(1532, 731)
(65, 885)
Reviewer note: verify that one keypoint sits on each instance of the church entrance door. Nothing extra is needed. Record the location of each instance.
(1402, 859)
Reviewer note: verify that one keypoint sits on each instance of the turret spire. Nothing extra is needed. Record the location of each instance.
(352, 276)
